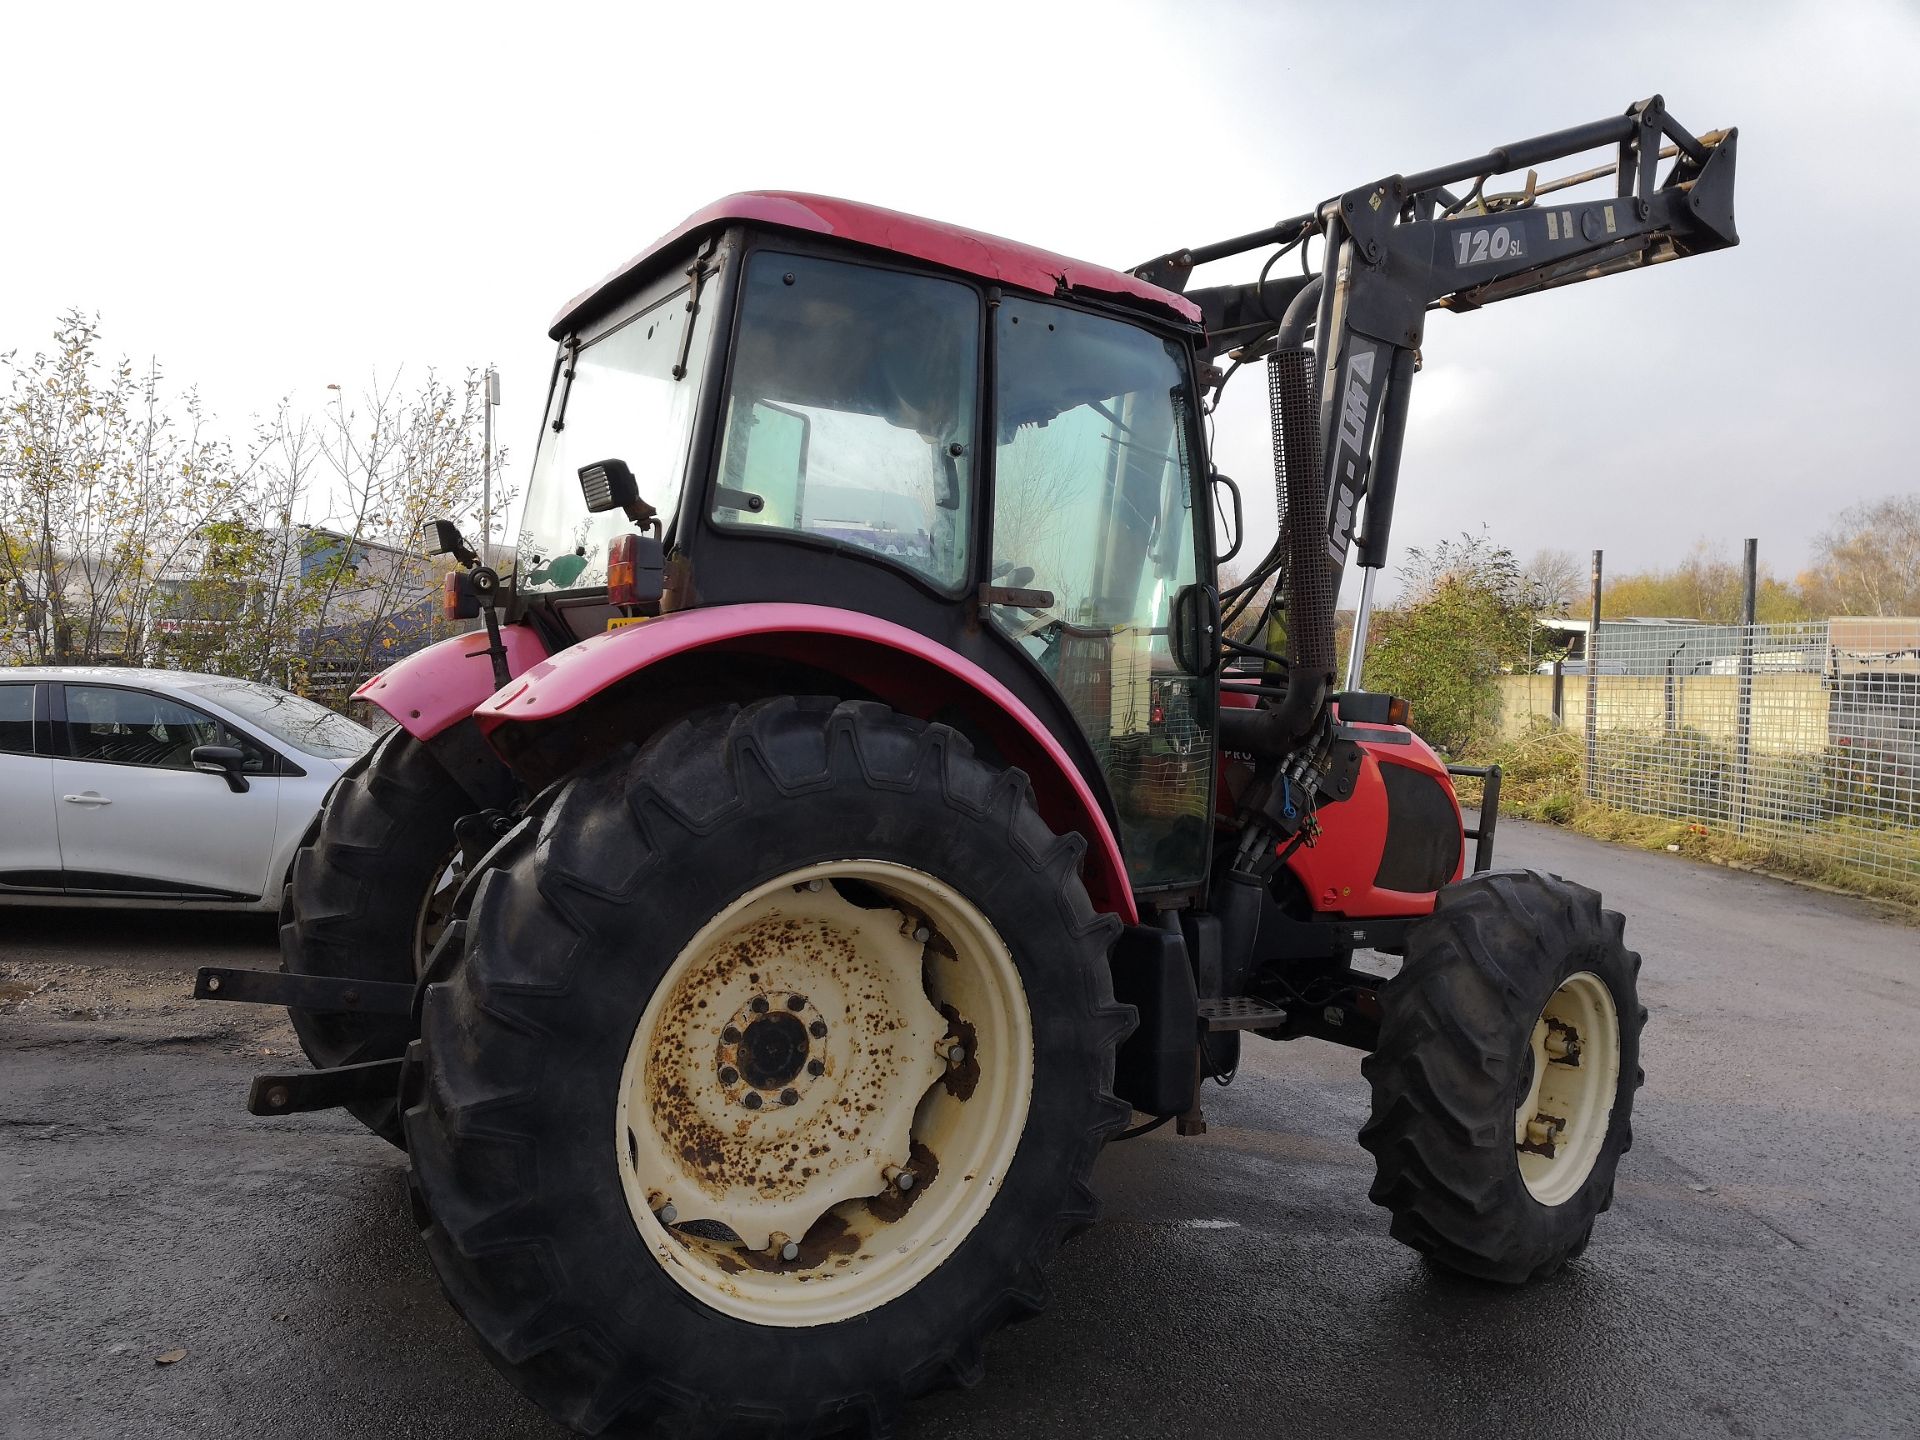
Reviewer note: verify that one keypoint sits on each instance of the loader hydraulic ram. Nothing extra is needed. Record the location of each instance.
(863, 798)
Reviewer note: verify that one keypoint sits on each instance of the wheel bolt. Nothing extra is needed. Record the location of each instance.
(922, 934)
(816, 1067)
(796, 1002)
(752, 1100)
(666, 1215)
(730, 1036)
(901, 1179)
(728, 1075)
(818, 1029)
(760, 1006)
(789, 1097)
(789, 1251)
(956, 1054)
(816, 885)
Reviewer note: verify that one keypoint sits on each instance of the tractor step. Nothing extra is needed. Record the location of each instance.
(329, 994)
(305, 1090)
(1241, 1012)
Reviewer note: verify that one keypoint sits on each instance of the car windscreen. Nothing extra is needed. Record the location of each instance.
(304, 724)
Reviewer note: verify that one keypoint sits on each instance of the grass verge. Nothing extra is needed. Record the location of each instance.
(1541, 780)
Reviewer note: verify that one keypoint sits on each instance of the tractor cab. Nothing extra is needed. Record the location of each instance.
(994, 447)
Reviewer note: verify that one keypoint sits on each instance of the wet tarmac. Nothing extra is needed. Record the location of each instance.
(1759, 1274)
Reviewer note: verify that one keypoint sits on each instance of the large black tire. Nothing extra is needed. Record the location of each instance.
(351, 905)
(1455, 1060)
(566, 935)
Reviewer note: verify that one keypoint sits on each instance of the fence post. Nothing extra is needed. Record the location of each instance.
(1593, 686)
(1560, 694)
(1743, 706)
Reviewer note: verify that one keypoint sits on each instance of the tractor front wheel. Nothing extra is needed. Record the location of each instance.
(1503, 1083)
(773, 1068)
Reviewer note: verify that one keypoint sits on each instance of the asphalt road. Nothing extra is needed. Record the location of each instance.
(1759, 1274)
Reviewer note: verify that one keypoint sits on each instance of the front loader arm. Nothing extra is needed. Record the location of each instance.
(1394, 250)
(1432, 249)
(1404, 245)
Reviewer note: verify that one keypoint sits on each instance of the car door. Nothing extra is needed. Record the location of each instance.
(29, 840)
(135, 817)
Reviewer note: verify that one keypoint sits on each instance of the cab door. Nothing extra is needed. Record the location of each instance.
(135, 817)
(1093, 516)
(29, 843)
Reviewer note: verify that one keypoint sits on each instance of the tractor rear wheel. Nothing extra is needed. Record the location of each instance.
(1503, 1082)
(368, 893)
(772, 1070)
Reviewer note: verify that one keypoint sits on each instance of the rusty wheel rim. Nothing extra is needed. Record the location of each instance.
(825, 1093)
(1561, 1123)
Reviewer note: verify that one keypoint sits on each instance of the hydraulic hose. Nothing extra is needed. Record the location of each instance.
(1302, 482)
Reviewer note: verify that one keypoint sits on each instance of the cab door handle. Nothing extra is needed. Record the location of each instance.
(87, 799)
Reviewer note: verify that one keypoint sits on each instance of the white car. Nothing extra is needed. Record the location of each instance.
(158, 787)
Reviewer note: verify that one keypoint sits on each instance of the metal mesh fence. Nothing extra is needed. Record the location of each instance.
(1803, 738)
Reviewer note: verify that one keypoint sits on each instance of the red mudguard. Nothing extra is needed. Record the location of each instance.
(912, 673)
(444, 683)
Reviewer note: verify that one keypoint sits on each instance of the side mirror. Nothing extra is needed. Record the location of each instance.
(1193, 629)
(224, 760)
(1238, 528)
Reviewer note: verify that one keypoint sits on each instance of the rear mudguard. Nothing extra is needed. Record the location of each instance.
(913, 674)
(435, 688)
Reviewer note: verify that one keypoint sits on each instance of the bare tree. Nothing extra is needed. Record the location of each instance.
(401, 459)
(105, 485)
(129, 532)
(1558, 579)
(1869, 562)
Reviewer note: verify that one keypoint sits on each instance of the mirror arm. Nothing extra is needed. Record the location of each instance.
(1216, 480)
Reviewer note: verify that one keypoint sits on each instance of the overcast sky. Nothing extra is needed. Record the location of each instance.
(274, 197)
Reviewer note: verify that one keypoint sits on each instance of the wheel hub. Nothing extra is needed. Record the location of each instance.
(826, 1088)
(766, 1051)
(1571, 1075)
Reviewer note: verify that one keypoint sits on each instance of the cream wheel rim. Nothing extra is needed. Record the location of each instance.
(825, 1093)
(430, 921)
(1561, 1125)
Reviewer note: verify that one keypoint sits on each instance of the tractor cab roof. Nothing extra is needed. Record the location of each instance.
(1003, 262)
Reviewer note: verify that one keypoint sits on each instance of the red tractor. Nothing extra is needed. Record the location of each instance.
(861, 799)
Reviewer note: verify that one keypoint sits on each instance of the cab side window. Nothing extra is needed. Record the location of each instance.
(132, 727)
(16, 719)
